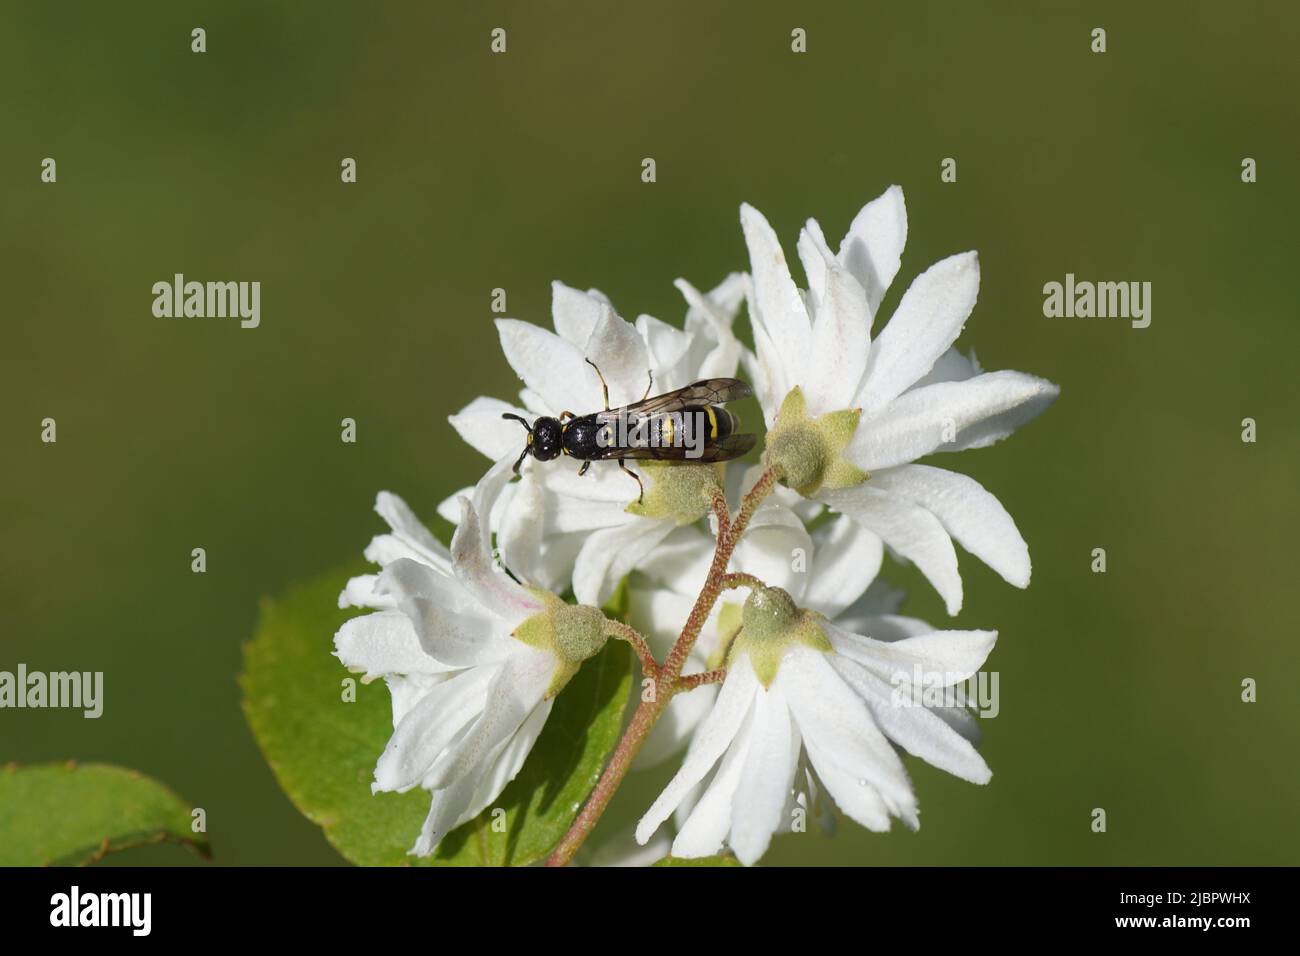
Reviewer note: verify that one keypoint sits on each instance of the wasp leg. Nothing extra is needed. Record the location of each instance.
(604, 387)
(622, 466)
(565, 416)
(583, 470)
(649, 386)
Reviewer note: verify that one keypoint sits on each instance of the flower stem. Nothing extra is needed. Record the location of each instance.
(665, 681)
(625, 632)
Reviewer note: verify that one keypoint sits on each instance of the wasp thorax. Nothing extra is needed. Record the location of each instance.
(772, 624)
(809, 452)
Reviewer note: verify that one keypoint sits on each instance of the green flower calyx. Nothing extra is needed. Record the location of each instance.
(771, 624)
(572, 632)
(810, 452)
(678, 492)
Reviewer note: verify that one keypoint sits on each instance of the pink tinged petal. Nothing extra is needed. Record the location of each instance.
(549, 365)
(913, 727)
(908, 529)
(846, 559)
(481, 426)
(840, 344)
(873, 248)
(517, 688)
(758, 808)
(943, 658)
(458, 638)
(860, 802)
(429, 727)
(703, 830)
(927, 321)
(836, 722)
(778, 307)
(974, 518)
(975, 413)
(620, 353)
(575, 313)
(607, 555)
(715, 735)
(471, 553)
(382, 643)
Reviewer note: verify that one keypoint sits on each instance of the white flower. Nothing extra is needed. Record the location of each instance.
(848, 415)
(832, 570)
(558, 528)
(804, 696)
(468, 654)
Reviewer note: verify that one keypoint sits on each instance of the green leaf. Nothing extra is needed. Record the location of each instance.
(323, 749)
(699, 861)
(73, 814)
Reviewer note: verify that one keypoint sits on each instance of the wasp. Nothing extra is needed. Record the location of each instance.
(686, 424)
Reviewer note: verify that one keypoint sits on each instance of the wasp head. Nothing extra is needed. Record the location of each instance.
(545, 438)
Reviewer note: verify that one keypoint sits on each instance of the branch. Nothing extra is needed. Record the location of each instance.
(625, 632)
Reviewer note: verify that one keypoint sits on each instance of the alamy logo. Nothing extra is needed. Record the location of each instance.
(103, 909)
(1101, 300)
(72, 689)
(216, 300)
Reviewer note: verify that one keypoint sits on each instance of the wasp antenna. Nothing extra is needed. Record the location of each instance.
(520, 460)
(522, 421)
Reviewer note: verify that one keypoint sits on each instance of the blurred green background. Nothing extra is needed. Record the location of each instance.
(477, 171)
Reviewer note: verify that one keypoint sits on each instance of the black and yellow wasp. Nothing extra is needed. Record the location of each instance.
(687, 424)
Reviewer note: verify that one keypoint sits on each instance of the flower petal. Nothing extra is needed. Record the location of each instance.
(778, 308)
(927, 321)
(610, 553)
(909, 529)
(430, 727)
(620, 353)
(481, 426)
(873, 248)
(459, 638)
(550, 366)
(942, 658)
(759, 804)
(715, 735)
(835, 720)
(705, 828)
(840, 344)
(381, 643)
(574, 313)
(846, 560)
(975, 413)
(471, 551)
(915, 728)
(975, 519)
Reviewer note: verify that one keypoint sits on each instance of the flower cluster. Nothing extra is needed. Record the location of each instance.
(756, 607)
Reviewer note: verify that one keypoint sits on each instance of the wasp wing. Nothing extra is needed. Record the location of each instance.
(733, 446)
(709, 391)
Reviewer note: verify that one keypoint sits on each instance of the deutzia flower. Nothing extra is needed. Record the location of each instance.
(799, 686)
(848, 415)
(835, 563)
(473, 660)
(558, 528)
